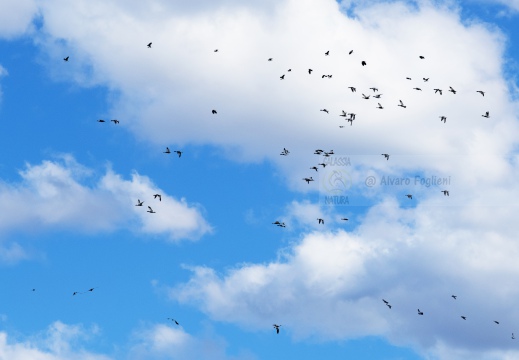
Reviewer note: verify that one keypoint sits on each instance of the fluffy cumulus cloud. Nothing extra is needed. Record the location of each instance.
(59, 342)
(16, 17)
(166, 342)
(58, 194)
(331, 284)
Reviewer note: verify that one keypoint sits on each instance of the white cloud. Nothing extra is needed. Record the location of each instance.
(166, 342)
(331, 284)
(16, 17)
(56, 194)
(59, 342)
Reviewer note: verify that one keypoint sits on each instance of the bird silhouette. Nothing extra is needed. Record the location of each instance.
(487, 115)
(66, 59)
(285, 152)
(425, 79)
(374, 89)
(101, 120)
(277, 328)
(481, 92)
(497, 322)
(353, 89)
(139, 203)
(420, 312)
(379, 106)
(345, 219)
(270, 59)
(363, 63)
(365, 96)
(386, 156)
(385, 301)
(327, 53)
(421, 57)
(452, 90)
(402, 104)
(409, 196)
(464, 317)
(150, 210)
(445, 192)
(314, 168)
(282, 77)
(321, 221)
(351, 52)
(417, 89)
(308, 179)
(322, 164)
(214, 112)
(167, 151)
(454, 297)
(438, 90)
(324, 110)
(377, 96)
(175, 321)
(157, 196)
(443, 118)
(179, 153)
(115, 121)
(215, 50)
(408, 78)
(310, 71)
(149, 45)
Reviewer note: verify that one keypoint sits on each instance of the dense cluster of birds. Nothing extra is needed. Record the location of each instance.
(349, 117)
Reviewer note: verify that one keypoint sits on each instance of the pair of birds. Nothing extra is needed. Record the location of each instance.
(77, 292)
(115, 121)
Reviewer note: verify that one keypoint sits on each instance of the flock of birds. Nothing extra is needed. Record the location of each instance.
(349, 117)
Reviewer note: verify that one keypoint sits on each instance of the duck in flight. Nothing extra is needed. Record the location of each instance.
(481, 92)
(443, 118)
(139, 203)
(167, 151)
(454, 297)
(214, 112)
(215, 50)
(285, 152)
(101, 120)
(282, 77)
(353, 89)
(417, 89)
(310, 71)
(363, 63)
(377, 96)
(438, 90)
(308, 179)
(322, 164)
(386, 156)
(421, 57)
(277, 328)
(379, 106)
(452, 90)
(344, 114)
(409, 196)
(149, 45)
(351, 52)
(324, 110)
(270, 59)
(497, 322)
(179, 153)
(327, 53)
(321, 221)
(402, 104)
(157, 196)
(365, 96)
(314, 168)
(374, 89)
(150, 210)
(464, 317)
(425, 79)
(66, 59)
(420, 312)
(445, 192)
(487, 115)
(115, 121)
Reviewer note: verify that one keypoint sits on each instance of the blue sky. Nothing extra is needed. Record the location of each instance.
(210, 256)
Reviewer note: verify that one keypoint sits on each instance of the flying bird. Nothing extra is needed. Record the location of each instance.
(409, 196)
(363, 63)
(175, 321)
(497, 322)
(289, 70)
(327, 53)
(420, 312)
(150, 210)
(445, 192)
(417, 89)
(157, 196)
(321, 221)
(386, 156)
(214, 112)
(101, 120)
(66, 59)
(308, 180)
(425, 79)
(179, 153)
(443, 118)
(115, 121)
(487, 115)
(314, 168)
(322, 164)
(149, 45)
(345, 219)
(139, 203)
(385, 301)
(326, 111)
(365, 96)
(270, 59)
(167, 151)
(402, 104)
(454, 297)
(452, 90)
(481, 92)
(421, 57)
(310, 71)
(374, 89)
(285, 152)
(408, 78)
(282, 77)
(377, 96)
(464, 317)
(379, 106)
(351, 52)
(215, 50)
(277, 328)
(352, 88)
(438, 90)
